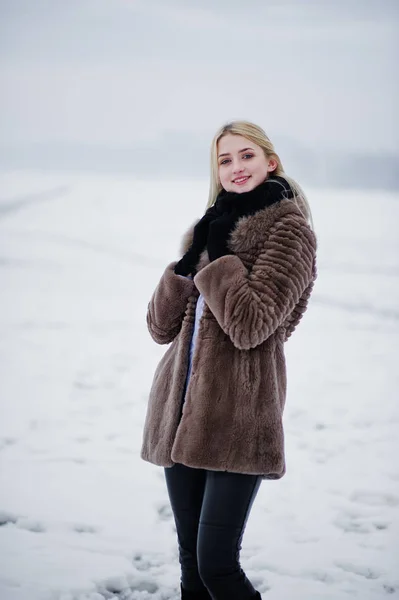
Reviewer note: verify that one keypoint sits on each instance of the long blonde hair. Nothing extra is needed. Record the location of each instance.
(259, 137)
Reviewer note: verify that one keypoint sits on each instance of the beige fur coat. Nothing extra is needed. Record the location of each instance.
(254, 299)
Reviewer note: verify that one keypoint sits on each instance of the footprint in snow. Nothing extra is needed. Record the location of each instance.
(7, 519)
(146, 563)
(165, 512)
(7, 441)
(352, 523)
(321, 576)
(362, 571)
(81, 439)
(375, 498)
(389, 589)
(31, 525)
(122, 588)
(81, 528)
(381, 525)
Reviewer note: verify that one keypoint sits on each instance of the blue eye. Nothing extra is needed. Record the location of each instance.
(244, 155)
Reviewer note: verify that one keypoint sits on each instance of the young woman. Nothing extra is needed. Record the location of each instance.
(214, 418)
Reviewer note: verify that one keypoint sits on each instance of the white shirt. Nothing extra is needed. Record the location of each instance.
(199, 309)
(198, 314)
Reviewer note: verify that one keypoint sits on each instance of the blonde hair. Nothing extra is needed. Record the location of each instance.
(259, 137)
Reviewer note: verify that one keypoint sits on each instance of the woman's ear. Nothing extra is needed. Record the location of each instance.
(272, 165)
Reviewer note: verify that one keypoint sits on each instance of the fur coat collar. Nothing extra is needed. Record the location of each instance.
(249, 230)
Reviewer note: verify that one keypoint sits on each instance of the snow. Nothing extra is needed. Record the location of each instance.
(82, 517)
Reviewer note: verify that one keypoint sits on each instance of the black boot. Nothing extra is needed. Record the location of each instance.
(186, 595)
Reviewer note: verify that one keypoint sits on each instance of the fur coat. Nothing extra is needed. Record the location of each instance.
(231, 419)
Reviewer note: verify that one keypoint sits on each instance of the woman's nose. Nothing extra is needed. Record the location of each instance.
(237, 167)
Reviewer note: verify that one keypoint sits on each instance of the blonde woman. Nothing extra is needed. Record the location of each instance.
(227, 307)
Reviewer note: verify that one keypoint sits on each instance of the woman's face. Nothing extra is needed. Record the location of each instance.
(242, 164)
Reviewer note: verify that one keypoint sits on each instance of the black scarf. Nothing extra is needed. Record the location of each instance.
(228, 207)
(265, 194)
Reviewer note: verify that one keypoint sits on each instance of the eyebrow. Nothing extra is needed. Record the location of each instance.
(243, 150)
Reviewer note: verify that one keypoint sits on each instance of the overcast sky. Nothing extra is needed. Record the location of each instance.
(118, 72)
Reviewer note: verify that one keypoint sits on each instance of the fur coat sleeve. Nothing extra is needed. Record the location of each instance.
(250, 304)
(167, 305)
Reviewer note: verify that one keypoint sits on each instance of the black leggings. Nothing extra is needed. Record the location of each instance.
(211, 509)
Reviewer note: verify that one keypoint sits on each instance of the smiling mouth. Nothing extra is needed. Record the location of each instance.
(241, 180)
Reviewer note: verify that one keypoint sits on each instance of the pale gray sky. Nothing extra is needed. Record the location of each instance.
(117, 72)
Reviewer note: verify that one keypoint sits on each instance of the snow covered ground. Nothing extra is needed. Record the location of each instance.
(82, 516)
